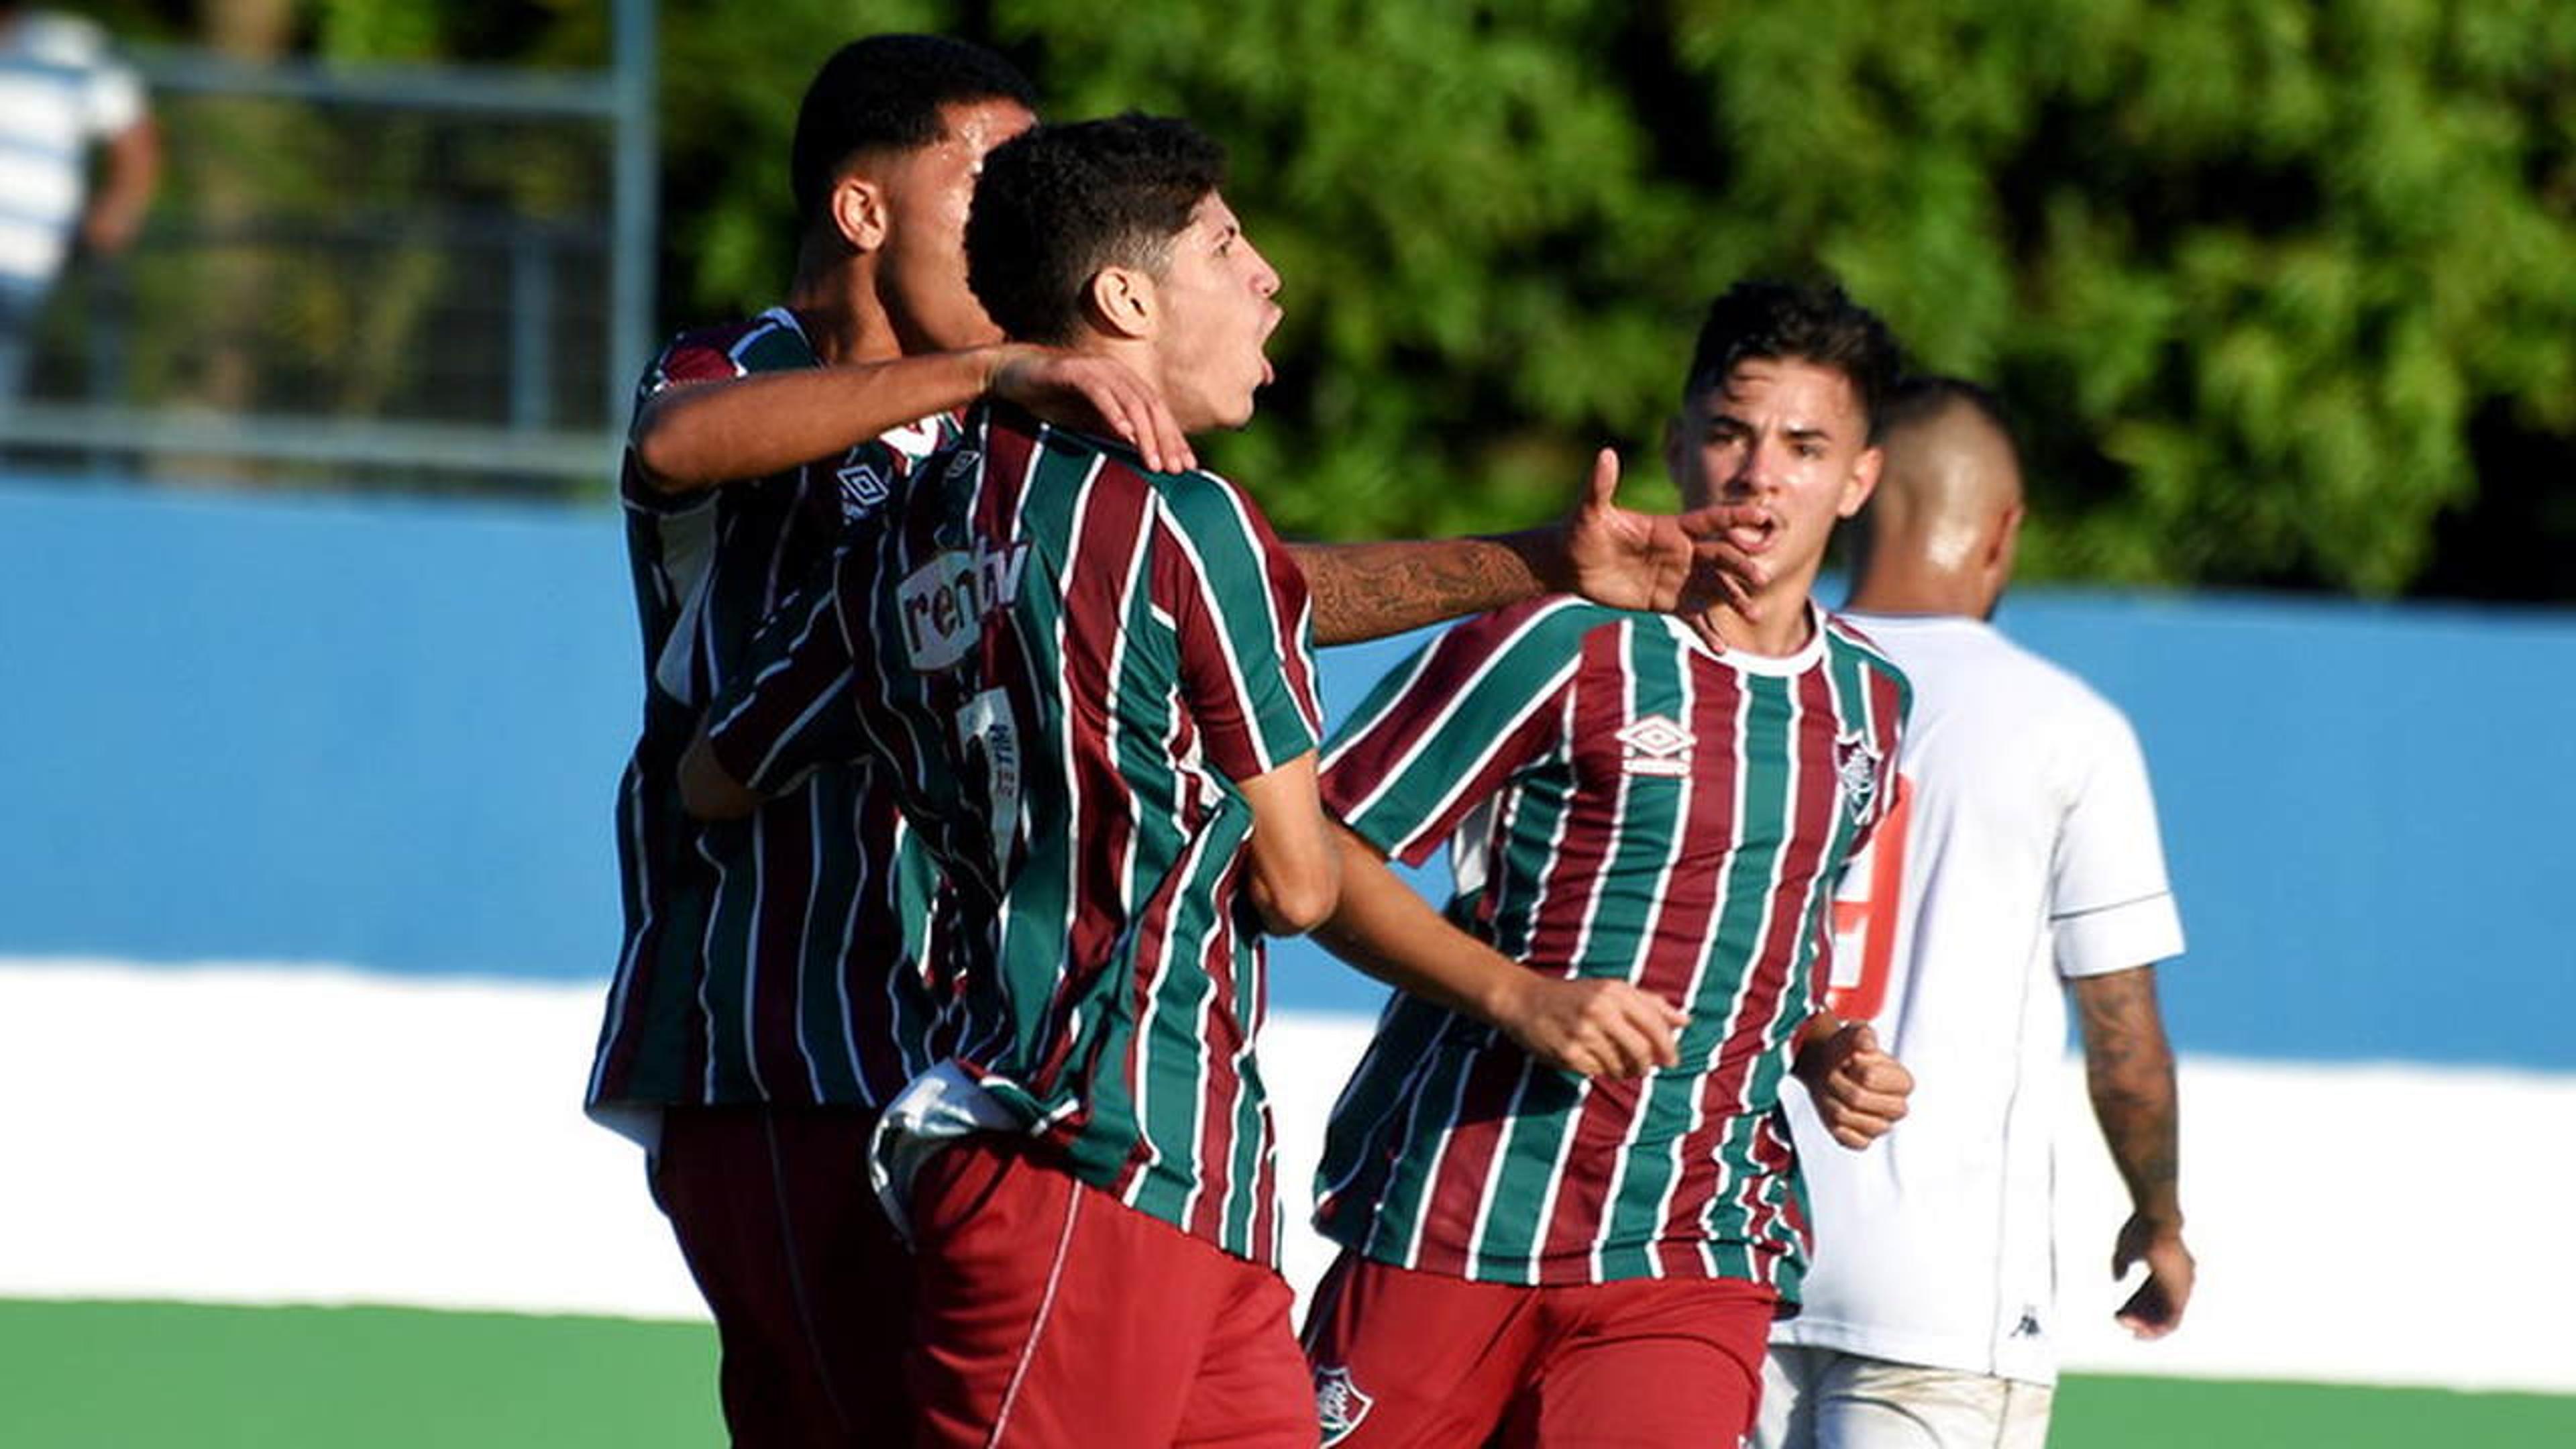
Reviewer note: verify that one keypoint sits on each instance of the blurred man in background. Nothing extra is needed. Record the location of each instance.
(2021, 862)
(60, 91)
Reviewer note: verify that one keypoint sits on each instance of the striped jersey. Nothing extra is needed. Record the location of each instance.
(771, 959)
(1062, 661)
(60, 90)
(1622, 803)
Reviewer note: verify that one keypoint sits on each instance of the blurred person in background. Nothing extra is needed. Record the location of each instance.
(60, 92)
(2021, 864)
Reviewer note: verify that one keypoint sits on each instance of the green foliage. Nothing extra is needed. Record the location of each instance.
(2245, 269)
(2265, 281)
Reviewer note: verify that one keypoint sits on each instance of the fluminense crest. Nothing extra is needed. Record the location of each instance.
(1856, 767)
(1339, 1404)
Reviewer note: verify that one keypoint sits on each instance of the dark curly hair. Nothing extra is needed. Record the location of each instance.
(887, 90)
(1058, 203)
(1785, 321)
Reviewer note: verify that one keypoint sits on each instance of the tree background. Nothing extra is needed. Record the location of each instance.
(2281, 293)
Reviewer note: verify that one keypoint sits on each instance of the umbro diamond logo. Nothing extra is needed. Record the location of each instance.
(1656, 745)
(862, 489)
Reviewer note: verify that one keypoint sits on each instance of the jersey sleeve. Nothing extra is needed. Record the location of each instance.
(2110, 905)
(1444, 731)
(716, 354)
(1242, 625)
(790, 709)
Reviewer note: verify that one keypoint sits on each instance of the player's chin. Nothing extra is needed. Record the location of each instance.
(1236, 409)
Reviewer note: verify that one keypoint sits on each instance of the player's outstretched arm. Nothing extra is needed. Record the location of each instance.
(1296, 872)
(2129, 1072)
(1859, 1090)
(1609, 554)
(1598, 1028)
(695, 435)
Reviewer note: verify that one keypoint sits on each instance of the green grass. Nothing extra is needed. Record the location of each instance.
(173, 1376)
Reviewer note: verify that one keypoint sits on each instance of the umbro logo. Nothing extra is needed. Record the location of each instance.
(1655, 745)
(863, 488)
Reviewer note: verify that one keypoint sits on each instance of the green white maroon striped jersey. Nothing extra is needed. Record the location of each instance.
(1624, 804)
(1062, 660)
(776, 958)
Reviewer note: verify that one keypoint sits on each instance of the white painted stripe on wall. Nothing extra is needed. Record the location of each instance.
(248, 1134)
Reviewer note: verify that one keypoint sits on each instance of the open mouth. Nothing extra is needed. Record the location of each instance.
(1754, 537)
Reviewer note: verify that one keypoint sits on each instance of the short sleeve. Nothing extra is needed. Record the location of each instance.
(1242, 626)
(1444, 731)
(790, 710)
(717, 354)
(111, 99)
(2110, 904)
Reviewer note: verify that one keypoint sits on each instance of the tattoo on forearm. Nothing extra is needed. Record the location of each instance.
(2129, 1070)
(1371, 590)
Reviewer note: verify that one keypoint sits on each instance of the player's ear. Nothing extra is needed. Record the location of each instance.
(858, 209)
(1674, 447)
(1863, 480)
(1123, 303)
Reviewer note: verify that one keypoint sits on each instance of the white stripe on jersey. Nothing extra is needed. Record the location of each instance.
(1679, 837)
(1396, 769)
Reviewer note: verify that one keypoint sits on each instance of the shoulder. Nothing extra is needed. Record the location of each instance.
(1542, 633)
(770, 342)
(60, 39)
(1846, 637)
(1845, 641)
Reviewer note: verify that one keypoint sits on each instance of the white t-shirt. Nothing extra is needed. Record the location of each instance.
(59, 91)
(2023, 850)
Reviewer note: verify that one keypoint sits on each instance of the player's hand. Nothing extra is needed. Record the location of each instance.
(1859, 1090)
(1039, 378)
(1595, 1027)
(2156, 1308)
(1663, 563)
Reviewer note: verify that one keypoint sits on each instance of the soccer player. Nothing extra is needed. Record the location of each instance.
(761, 1006)
(1090, 682)
(1527, 1252)
(2021, 863)
(769, 995)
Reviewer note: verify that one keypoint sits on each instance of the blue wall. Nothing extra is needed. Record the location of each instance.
(387, 734)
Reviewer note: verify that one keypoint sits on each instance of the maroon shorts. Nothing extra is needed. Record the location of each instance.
(1054, 1316)
(1405, 1359)
(811, 1289)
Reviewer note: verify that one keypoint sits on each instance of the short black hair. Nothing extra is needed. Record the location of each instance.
(1818, 324)
(1921, 397)
(1057, 203)
(887, 91)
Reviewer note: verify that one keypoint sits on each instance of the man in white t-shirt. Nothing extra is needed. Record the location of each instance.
(2021, 865)
(60, 91)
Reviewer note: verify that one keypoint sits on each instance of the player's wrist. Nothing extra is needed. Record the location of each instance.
(996, 361)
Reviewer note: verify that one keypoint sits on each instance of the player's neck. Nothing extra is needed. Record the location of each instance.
(836, 304)
(1784, 622)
